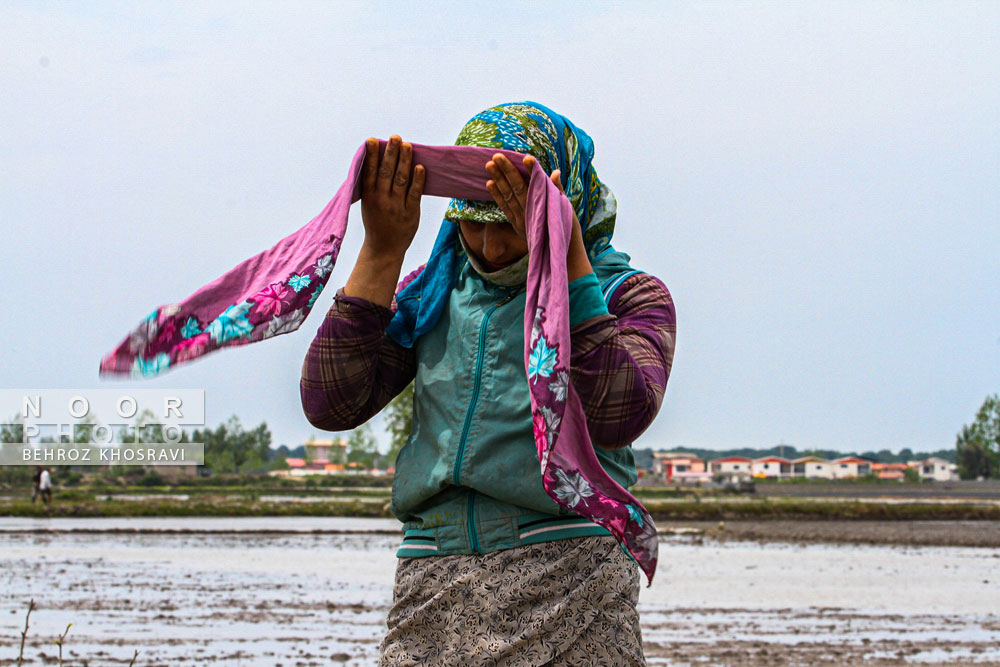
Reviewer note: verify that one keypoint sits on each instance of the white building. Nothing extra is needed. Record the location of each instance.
(936, 469)
(772, 466)
(668, 464)
(850, 466)
(812, 467)
(728, 464)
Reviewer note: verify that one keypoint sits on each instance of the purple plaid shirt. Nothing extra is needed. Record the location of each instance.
(620, 363)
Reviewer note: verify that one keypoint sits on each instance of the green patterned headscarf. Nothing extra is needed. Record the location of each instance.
(529, 127)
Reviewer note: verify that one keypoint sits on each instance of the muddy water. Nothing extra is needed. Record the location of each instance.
(298, 597)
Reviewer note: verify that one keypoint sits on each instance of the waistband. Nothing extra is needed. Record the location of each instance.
(421, 542)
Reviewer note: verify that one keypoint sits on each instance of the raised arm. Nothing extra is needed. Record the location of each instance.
(621, 361)
(352, 369)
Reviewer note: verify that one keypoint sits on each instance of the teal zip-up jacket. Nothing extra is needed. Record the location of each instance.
(468, 479)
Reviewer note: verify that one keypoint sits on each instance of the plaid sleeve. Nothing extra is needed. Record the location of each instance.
(353, 369)
(621, 361)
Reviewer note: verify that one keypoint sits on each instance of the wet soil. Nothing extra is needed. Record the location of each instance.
(753, 594)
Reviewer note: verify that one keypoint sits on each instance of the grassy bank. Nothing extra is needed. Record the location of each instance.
(201, 506)
(755, 509)
(795, 509)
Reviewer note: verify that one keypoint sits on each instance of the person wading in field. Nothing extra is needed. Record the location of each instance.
(491, 570)
(35, 479)
(45, 485)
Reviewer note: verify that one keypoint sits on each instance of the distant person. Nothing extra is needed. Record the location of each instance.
(45, 485)
(35, 478)
(491, 570)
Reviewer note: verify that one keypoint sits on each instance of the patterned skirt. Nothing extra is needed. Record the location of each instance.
(563, 602)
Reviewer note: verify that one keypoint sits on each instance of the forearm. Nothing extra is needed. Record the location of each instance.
(577, 261)
(374, 276)
(352, 369)
(621, 362)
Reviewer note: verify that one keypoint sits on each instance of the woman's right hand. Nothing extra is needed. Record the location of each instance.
(390, 197)
(390, 209)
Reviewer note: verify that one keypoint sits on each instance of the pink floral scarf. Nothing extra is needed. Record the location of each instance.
(273, 292)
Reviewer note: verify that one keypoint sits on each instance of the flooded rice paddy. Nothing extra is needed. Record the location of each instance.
(315, 591)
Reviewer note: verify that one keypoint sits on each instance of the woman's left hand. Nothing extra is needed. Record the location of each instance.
(510, 192)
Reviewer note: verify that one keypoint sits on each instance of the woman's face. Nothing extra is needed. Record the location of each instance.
(495, 244)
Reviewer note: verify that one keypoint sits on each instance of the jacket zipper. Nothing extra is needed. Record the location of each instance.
(473, 539)
(475, 388)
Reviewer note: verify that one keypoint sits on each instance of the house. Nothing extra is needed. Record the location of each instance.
(812, 467)
(693, 478)
(728, 464)
(850, 466)
(667, 464)
(302, 467)
(895, 471)
(936, 469)
(326, 450)
(771, 466)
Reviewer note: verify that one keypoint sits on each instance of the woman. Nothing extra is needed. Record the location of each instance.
(491, 569)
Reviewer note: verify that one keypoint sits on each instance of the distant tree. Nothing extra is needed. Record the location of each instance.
(279, 459)
(973, 454)
(296, 452)
(911, 475)
(143, 429)
(83, 434)
(361, 446)
(978, 444)
(258, 448)
(399, 421)
(13, 430)
(83, 429)
(231, 448)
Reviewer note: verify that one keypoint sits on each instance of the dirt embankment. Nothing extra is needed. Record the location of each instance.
(904, 533)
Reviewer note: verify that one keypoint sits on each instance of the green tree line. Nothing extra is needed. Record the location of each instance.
(232, 448)
(977, 446)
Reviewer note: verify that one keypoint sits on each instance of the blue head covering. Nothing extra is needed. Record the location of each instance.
(525, 127)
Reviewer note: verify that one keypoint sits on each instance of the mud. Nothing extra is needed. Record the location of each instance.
(318, 598)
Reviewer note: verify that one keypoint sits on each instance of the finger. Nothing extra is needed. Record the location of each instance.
(514, 215)
(402, 178)
(498, 198)
(514, 177)
(370, 167)
(557, 179)
(388, 167)
(501, 183)
(417, 185)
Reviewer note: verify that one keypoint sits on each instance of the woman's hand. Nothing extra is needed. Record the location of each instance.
(390, 197)
(390, 209)
(510, 192)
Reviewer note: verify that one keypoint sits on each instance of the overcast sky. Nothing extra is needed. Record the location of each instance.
(816, 184)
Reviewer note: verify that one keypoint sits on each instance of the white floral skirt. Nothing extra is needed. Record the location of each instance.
(562, 602)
